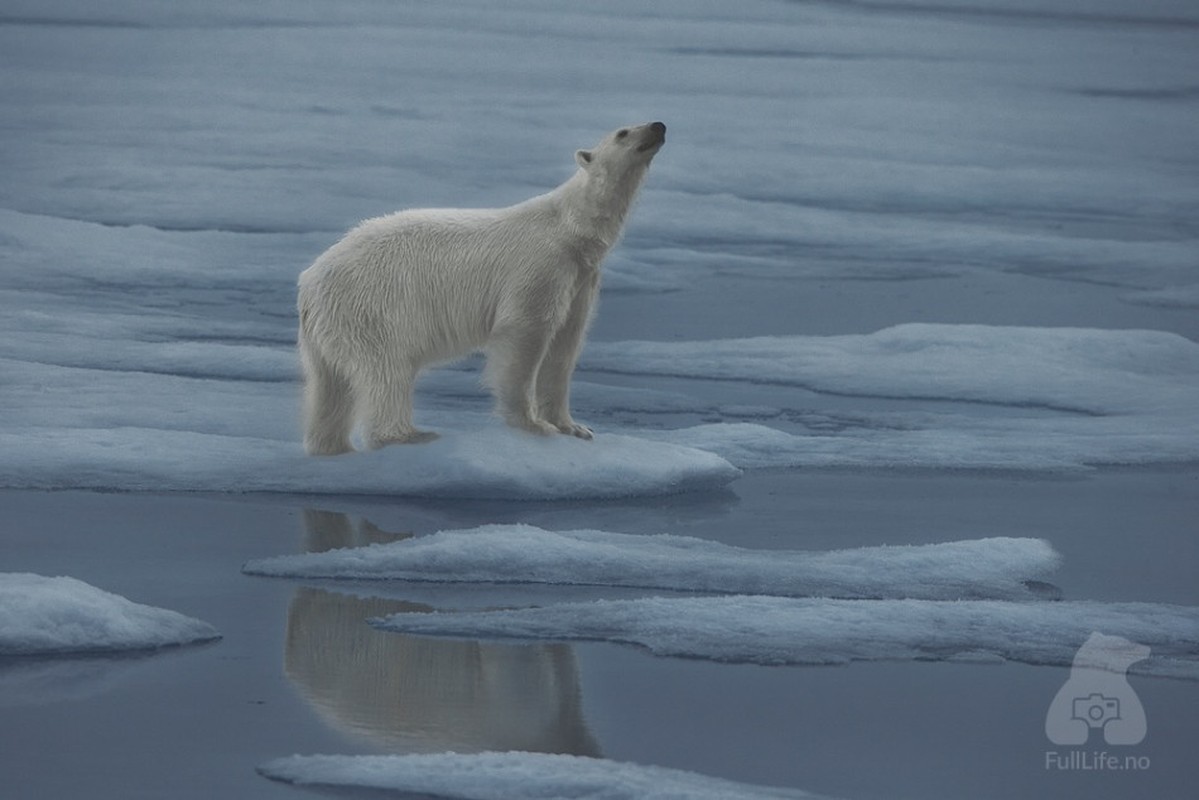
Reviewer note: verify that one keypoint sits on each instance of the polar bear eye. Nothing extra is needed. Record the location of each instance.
(623, 132)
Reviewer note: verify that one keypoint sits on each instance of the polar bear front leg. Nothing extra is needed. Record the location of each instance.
(553, 379)
(514, 357)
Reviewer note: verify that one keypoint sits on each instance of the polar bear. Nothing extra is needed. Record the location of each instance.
(417, 287)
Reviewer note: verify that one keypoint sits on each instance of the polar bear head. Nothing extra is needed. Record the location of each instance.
(624, 150)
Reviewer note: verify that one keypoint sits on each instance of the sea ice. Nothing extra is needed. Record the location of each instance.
(486, 461)
(147, 294)
(1087, 371)
(779, 630)
(57, 616)
(502, 776)
(1075, 397)
(987, 568)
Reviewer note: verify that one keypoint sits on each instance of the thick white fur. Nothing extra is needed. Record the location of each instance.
(421, 286)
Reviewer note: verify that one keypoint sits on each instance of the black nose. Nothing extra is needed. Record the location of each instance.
(658, 128)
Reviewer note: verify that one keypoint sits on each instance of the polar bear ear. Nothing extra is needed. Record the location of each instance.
(584, 158)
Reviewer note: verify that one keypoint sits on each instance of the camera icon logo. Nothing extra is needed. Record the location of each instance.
(1097, 695)
(1096, 710)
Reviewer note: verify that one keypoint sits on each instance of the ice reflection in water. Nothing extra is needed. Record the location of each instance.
(406, 693)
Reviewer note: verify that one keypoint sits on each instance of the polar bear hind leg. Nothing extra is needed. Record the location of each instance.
(328, 405)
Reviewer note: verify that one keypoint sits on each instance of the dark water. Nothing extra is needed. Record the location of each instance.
(298, 671)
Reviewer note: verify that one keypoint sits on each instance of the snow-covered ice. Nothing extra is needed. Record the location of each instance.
(1084, 371)
(779, 630)
(152, 224)
(480, 460)
(988, 568)
(57, 616)
(502, 776)
(1077, 397)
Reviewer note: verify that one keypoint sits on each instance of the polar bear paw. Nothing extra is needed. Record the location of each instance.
(539, 427)
(408, 437)
(576, 430)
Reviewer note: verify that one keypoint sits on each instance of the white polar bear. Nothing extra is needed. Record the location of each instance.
(421, 286)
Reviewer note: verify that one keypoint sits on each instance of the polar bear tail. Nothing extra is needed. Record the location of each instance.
(328, 398)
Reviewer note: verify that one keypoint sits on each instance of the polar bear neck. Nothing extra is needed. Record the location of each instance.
(594, 207)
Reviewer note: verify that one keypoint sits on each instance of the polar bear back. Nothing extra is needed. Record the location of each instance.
(456, 272)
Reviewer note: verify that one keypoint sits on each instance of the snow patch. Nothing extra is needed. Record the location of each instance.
(55, 616)
(986, 568)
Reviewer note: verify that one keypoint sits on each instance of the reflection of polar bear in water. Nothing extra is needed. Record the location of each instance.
(414, 694)
(1098, 695)
(419, 694)
(417, 287)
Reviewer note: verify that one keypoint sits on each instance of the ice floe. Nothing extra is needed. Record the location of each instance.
(502, 776)
(1075, 397)
(56, 616)
(779, 630)
(486, 461)
(1088, 371)
(997, 568)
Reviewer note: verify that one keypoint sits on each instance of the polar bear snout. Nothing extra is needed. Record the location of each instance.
(653, 137)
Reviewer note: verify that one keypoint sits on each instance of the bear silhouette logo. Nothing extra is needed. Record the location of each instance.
(1097, 696)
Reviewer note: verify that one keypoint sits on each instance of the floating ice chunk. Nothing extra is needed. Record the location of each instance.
(984, 568)
(488, 462)
(778, 630)
(51, 616)
(68, 427)
(501, 776)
